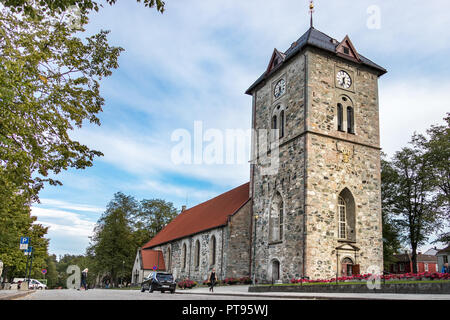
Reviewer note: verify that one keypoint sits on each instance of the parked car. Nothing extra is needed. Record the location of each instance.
(35, 284)
(159, 281)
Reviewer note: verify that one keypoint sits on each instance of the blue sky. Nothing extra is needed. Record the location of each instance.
(194, 63)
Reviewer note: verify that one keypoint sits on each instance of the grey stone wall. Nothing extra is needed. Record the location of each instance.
(289, 180)
(237, 248)
(232, 250)
(316, 163)
(334, 164)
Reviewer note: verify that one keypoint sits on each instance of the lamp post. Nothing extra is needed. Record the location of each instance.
(123, 271)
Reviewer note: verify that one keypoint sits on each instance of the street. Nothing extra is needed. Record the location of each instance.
(110, 294)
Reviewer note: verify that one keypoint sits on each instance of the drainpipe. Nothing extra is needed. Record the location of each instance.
(305, 108)
(221, 264)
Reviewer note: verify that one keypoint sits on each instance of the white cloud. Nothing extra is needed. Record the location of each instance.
(69, 206)
(410, 106)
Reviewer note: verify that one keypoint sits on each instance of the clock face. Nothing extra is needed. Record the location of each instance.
(280, 88)
(343, 79)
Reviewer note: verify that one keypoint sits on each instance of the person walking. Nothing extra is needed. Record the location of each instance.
(212, 280)
(84, 274)
(445, 268)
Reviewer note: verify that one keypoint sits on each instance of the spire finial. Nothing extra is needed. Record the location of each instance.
(311, 10)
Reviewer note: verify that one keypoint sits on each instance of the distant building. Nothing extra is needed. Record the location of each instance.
(443, 256)
(425, 263)
(146, 262)
(432, 251)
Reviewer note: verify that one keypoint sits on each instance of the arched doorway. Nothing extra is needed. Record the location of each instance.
(275, 270)
(347, 267)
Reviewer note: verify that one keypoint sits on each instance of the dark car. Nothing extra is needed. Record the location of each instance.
(159, 281)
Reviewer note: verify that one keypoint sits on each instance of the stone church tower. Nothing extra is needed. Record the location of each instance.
(319, 214)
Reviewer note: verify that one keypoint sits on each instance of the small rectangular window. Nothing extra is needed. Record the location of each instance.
(346, 50)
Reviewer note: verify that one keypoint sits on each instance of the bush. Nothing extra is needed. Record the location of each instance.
(359, 277)
(186, 284)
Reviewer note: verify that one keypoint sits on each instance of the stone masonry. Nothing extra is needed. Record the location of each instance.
(317, 162)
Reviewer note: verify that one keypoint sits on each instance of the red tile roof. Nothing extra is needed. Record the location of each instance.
(207, 215)
(151, 259)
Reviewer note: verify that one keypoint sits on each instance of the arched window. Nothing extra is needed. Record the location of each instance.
(184, 256)
(169, 259)
(342, 211)
(346, 216)
(350, 120)
(197, 254)
(276, 219)
(340, 117)
(274, 122)
(275, 270)
(280, 213)
(345, 115)
(282, 124)
(212, 251)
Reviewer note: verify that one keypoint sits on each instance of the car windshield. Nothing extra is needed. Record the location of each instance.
(164, 277)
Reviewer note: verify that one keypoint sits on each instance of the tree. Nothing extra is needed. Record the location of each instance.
(62, 5)
(391, 237)
(49, 84)
(124, 227)
(113, 242)
(411, 198)
(152, 217)
(52, 273)
(436, 149)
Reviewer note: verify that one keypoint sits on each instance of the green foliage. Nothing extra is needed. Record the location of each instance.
(153, 215)
(58, 6)
(414, 189)
(391, 239)
(124, 227)
(49, 84)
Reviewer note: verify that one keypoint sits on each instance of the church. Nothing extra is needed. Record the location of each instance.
(318, 215)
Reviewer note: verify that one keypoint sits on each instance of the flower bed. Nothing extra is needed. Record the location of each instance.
(186, 284)
(424, 276)
(231, 281)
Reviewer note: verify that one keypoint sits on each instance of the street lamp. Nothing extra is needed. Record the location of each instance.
(123, 268)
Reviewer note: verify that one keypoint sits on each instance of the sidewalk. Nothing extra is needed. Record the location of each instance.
(13, 294)
(243, 292)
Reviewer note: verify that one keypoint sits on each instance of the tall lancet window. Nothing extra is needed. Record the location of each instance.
(342, 211)
(184, 253)
(346, 216)
(212, 251)
(282, 124)
(340, 117)
(197, 254)
(276, 223)
(350, 120)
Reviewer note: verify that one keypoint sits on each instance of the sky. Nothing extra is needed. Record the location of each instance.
(189, 68)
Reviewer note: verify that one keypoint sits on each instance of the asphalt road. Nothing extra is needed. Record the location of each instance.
(109, 294)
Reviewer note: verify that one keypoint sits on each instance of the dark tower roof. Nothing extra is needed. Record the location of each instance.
(317, 39)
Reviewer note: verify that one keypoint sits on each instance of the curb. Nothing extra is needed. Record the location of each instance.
(16, 295)
(290, 297)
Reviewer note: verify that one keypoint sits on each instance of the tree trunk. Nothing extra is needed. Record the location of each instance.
(414, 259)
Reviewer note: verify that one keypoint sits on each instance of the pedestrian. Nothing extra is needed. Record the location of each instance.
(445, 268)
(84, 274)
(212, 280)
